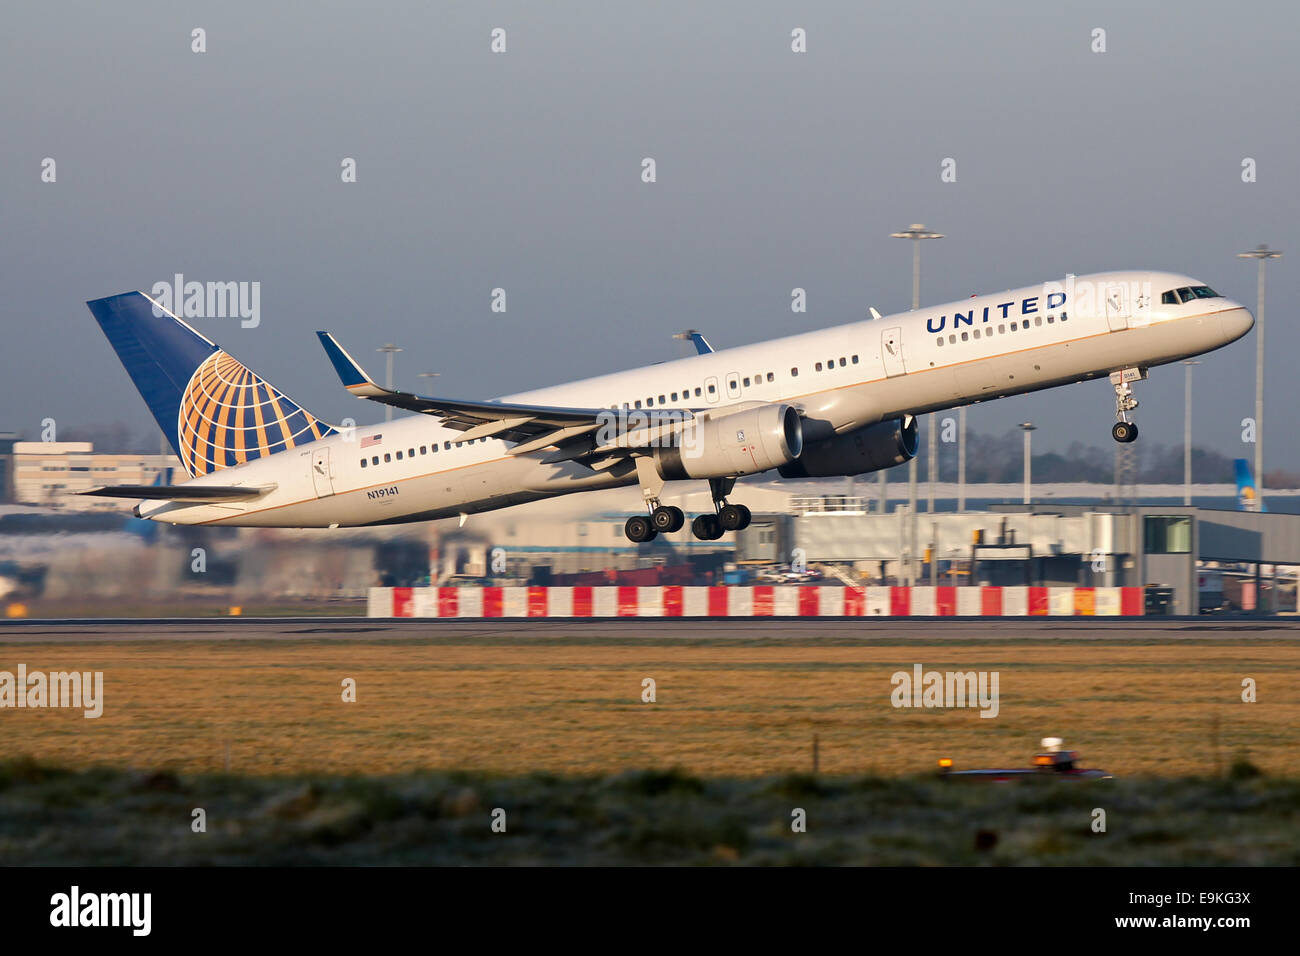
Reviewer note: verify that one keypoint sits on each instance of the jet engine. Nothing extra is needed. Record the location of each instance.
(740, 443)
(865, 449)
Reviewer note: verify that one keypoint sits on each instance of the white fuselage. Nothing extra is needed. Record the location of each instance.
(840, 378)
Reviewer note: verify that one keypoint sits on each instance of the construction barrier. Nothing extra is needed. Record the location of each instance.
(757, 601)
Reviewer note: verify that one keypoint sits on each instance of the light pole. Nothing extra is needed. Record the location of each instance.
(389, 351)
(1028, 428)
(916, 232)
(1187, 432)
(1263, 253)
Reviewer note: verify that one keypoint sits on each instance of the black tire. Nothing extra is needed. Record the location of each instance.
(706, 528)
(747, 517)
(731, 517)
(668, 519)
(1133, 432)
(639, 529)
(1123, 432)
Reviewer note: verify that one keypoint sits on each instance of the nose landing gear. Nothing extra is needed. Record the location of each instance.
(1125, 431)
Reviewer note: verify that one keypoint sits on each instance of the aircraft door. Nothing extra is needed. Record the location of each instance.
(320, 472)
(1117, 306)
(711, 389)
(733, 385)
(891, 351)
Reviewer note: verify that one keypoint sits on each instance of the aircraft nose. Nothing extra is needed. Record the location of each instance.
(1236, 322)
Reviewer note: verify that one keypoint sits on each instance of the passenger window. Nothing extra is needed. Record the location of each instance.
(363, 463)
(1002, 329)
(637, 403)
(771, 377)
(712, 389)
(794, 373)
(965, 336)
(1051, 319)
(732, 385)
(674, 396)
(399, 456)
(746, 381)
(410, 452)
(855, 360)
(842, 362)
(817, 367)
(424, 450)
(374, 460)
(662, 400)
(1038, 320)
(387, 457)
(939, 340)
(446, 446)
(697, 391)
(1064, 316)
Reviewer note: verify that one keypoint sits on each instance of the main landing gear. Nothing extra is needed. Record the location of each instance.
(667, 519)
(662, 518)
(728, 517)
(1125, 431)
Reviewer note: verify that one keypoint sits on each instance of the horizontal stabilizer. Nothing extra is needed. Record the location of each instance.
(186, 492)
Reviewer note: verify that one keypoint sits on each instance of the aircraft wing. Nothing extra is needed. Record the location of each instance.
(533, 427)
(188, 492)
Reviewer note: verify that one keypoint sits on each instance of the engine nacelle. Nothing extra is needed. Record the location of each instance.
(870, 448)
(742, 443)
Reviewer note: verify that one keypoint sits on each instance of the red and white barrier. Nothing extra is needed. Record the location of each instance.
(758, 601)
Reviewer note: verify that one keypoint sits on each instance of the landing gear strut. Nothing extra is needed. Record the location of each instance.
(1124, 430)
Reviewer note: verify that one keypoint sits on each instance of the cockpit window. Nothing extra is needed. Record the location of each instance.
(1187, 294)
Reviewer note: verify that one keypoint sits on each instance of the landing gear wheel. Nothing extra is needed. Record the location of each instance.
(706, 528)
(731, 517)
(667, 519)
(746, 517)
(1124, 432)
(639, 529)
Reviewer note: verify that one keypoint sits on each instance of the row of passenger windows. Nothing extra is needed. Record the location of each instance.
(424, 450)
(1002, 329)
(1188, 293)
(735, 384)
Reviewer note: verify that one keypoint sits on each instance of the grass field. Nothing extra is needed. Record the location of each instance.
(725, 708)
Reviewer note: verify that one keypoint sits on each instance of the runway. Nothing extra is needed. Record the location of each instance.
(650, 630)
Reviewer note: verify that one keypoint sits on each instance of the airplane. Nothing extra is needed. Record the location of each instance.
(1247, 494)
(836, 402)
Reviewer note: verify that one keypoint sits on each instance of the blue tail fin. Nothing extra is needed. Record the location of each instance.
(1247, 494)
(214, 411)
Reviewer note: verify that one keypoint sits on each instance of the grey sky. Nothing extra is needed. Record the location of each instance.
(522, 171)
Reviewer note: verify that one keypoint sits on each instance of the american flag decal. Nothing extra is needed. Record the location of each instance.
(371, 440)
